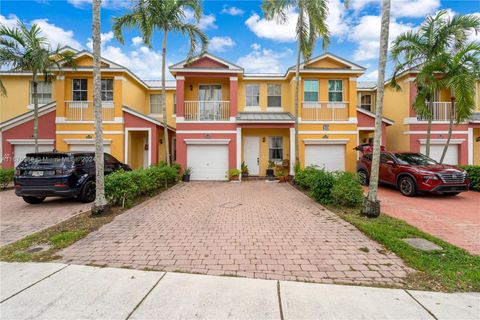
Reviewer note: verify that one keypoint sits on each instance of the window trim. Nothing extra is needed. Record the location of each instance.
(150, 103)
(336, 104)
(364, 104)
(246, 96)
(31, 93)
(73, 90)
(113, 92)
(280, 95)
(270, 148)
(311, 104)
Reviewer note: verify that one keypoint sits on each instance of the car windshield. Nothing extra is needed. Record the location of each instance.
(47, 159)
(416, 159)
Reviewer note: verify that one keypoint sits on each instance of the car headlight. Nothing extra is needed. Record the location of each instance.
(429, 177)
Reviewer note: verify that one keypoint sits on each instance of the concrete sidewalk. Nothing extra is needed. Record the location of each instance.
(60, 291)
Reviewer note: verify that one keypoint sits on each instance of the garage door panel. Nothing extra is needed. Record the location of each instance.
(328, 157)
(436, 151)
(208, 162)
(21, 150)
(88, 148)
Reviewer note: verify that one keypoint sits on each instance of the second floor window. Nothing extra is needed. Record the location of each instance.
(44, 92)
(274, 95)
(275, 149)
(253, 95)
(335, 90)
(156, 103)
(366, 102)
(310, 90)
(107, 89)
(79, 90)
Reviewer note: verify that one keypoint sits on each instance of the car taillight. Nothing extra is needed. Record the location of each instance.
(62, 172)
(17, 172)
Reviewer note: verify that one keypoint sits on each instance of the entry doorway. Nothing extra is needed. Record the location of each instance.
(139, 148)
(251, 151)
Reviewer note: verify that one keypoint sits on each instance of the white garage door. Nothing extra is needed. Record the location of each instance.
(21, 150)
(436, 151)
(88, 148)
(208, 162)
(331, 157)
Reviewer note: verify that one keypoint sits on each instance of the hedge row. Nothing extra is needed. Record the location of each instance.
(340, 188)
(123, 187)
(6, 177)
(474, 175)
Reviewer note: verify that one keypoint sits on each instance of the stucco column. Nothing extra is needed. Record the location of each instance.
(233, 96)
(154, 145)
(180, 96)
(292, 151)
(352, 97)
(239, 148)
(59, 96)
(118, 91)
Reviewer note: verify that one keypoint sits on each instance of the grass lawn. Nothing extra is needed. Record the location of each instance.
(449, 269)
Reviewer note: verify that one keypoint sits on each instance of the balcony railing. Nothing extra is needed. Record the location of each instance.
(207, 110)
(84, 111)
(440, 111)
(324, 111)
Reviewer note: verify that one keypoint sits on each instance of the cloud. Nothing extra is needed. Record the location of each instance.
(220, 44)
(337, 18)
(206, 22)
(137, 41)
(371, 75)
(402, 8)
(10, 21)
(57, 35)
(255, 46)
(233, 11)
(263, 60)
(105, 37)
(367, 35)
(473, 36)
(270, 29)
(84, 4)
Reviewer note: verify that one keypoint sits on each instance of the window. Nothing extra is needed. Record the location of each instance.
(80, 91)
(275, 149)
(44, 92)
(274, 95)
(385, 157)
(366, 102)
(107, 89)
(156, 103)
(310, 90)
(174, 103)
(253, 95)
(335, 90)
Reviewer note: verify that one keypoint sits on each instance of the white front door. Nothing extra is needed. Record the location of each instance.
(330, 157)
(208, 162)
(251, 154)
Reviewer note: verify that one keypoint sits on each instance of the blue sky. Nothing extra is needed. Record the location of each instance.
(236, 29)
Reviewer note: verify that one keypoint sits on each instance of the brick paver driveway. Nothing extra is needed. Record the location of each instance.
(453, 219)
(19, 219)
(253, 229)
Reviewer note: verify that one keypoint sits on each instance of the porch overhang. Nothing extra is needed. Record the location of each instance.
(265, 120)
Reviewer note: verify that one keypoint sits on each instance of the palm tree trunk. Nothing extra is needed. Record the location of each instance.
(429, 129)
(164, 99)
(297, 88)
(450, 128)
(100, 204)
(371, 205)
(35, 110)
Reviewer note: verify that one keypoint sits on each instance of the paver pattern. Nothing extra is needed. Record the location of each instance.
(252, 229)
(453, 219)
(19, 219)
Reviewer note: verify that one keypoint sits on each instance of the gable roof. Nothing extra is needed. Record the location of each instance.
(352, 66)
(184, 65)
(372, 115)
(83, 53)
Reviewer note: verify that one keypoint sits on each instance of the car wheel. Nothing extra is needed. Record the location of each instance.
(88, 192)
(33, 200)
(407, 186)
(363, 177)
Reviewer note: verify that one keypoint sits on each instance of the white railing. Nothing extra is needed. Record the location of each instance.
(324, 111)
(207, 110)
(83, 111)
(440, 111)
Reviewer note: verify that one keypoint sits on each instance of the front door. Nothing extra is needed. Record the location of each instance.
(251, 152)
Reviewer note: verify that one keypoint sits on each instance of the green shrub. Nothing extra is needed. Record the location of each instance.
(306, 177)
(346, 190)
(123, 187)
(474, 176)
(321, 186)
(6, 177)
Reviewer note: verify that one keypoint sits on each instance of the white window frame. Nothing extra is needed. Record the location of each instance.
(279, 85)
(270, 148)
(73, 90)
(106, 91)
(40, 92)
(364, 104)
(335, 104)
(160, 111)
(247, 95)
(311, 104)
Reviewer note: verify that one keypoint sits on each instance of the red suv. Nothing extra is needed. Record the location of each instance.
(413, 173)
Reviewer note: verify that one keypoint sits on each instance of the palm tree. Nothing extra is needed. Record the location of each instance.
(24, 49)
(167, 16)
(311, 25)
(371, 205)
(460, 72)
(437, 34)
(100, 205)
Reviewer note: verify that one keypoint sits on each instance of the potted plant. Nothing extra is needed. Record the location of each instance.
(244, 169)
(270, 167)
(233, 174)
(281, 175)
(186, 174)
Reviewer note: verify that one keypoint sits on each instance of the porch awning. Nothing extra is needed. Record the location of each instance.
(265, 117)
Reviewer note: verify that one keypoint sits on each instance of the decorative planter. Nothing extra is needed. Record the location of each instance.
(282, 179)
(186, 178)
(234, 178)
(270, 173)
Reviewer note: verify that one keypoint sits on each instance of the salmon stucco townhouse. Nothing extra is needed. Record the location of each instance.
(218, 115)
(409, 130)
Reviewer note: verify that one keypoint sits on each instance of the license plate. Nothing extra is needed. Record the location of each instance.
(37, 173)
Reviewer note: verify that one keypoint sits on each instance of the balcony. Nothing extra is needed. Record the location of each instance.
(324, 111)
(84, 111)
(207, 111)
(440, 112)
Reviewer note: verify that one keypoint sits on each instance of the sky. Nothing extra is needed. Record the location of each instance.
(237, 31)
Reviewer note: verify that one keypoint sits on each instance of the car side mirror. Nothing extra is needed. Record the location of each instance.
(390, 162)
